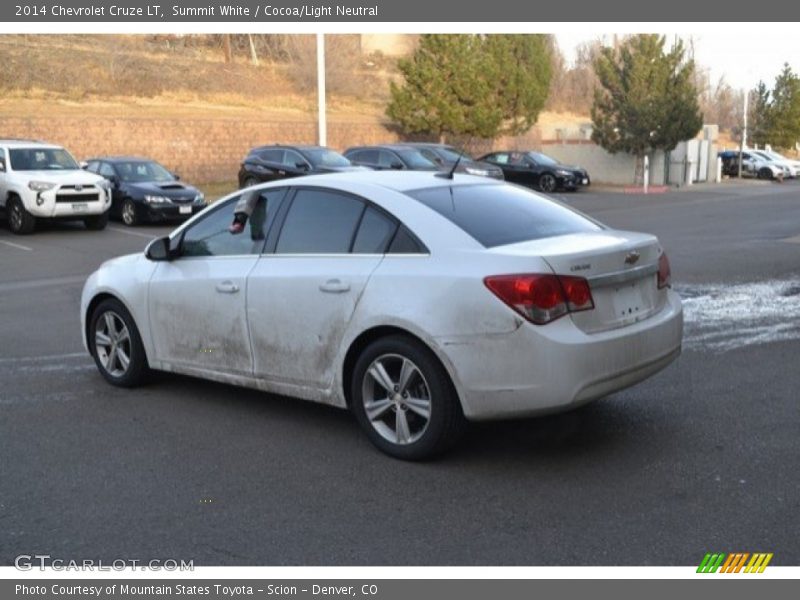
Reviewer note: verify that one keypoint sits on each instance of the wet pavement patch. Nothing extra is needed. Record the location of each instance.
(720, 317)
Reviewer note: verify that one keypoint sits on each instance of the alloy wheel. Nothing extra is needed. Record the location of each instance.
(547, 183)
(112, 342)
(396, 399)
(128, 213)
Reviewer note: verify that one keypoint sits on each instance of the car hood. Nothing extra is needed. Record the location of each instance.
(65, 177)
(169, 189)
(577, 168)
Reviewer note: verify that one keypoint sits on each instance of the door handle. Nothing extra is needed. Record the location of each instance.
(227, 287)
(335, 286)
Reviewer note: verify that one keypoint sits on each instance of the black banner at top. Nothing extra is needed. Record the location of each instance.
(343, 11)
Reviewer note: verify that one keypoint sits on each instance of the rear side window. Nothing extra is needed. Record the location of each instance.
(319, 222)
(374, 233)
(405, 242)
(496, 215)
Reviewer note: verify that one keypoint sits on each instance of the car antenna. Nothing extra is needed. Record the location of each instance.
(449, 174)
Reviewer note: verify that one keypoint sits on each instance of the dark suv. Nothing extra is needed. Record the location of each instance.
(390, 156)
(268, 163)
(446, 156)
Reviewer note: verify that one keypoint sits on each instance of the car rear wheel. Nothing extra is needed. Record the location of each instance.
(765, 173)
(96, 222)
(116, 345)
(20, 221)
(404, 400)
(129, 215)
(547, 183)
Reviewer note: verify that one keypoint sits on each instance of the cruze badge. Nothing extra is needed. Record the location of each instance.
(631, 257)
(78, 188)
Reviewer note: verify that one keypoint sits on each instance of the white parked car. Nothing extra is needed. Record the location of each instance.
(791, 167)
(756, 165)
(417, 301)
(43, 181)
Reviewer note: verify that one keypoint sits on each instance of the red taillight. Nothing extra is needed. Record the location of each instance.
(664, 272)
(542, 298)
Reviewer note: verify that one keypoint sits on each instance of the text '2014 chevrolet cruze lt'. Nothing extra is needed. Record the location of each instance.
(420, 302)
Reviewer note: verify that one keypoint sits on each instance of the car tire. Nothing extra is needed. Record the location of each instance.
(404, 370)
(765, 173)
(96, 222)
(116, 346)
(20, 221)
(548, 183)
(250, 182)
(128, 213)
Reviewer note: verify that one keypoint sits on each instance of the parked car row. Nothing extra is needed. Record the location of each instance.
(40, 181)
(762, 164)
(532, 169)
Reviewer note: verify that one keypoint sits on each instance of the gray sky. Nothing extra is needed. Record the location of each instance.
(741, 57)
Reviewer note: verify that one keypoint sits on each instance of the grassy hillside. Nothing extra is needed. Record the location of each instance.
(167, 76)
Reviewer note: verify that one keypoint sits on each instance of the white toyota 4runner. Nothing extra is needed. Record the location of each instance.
(43, 181)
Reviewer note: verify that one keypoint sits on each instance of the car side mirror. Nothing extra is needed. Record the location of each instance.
(301, 165)
(159, 250)
(176, 176)
(2, 166)
(396, 165)
(114, 181)
(83, 165)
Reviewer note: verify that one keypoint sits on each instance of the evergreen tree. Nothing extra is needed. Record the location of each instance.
(447, 89)
(783, 113)
(647, 99)
(469, 85)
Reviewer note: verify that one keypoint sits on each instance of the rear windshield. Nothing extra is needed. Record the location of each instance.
(497, 215)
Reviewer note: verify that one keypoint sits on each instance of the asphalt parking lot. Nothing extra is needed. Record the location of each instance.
(703, 457)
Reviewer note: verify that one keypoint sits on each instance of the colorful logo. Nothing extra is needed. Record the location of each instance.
(735, 563)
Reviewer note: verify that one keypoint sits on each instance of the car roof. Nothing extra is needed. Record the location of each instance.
(20, 143)
(398, 181)
(399, 146)
(117, 159)
(291, 147)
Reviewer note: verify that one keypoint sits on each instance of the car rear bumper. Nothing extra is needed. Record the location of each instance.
(556, 367)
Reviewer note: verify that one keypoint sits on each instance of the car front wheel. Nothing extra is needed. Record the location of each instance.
(129, 215)
(404, 400)
(20, 221)
(547, 183)
(116, 345)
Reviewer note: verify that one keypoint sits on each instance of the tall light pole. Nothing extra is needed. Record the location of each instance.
(323, 125)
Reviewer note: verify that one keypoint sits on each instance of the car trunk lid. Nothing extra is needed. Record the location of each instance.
(621, 267)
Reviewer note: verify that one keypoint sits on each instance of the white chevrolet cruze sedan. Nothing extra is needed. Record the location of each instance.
(417, 301)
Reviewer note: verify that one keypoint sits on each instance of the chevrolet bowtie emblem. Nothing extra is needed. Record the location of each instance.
(631, 257)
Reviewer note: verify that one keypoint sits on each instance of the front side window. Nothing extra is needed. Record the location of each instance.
(415, 160)
(41, 159)
(211, 235)
(323, 157)
(293, 159)
(388, 159)
(106, 170)
(319, 222)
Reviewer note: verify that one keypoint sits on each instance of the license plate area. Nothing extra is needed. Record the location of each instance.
(80, 206)
(629, 300)
(185, 210)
